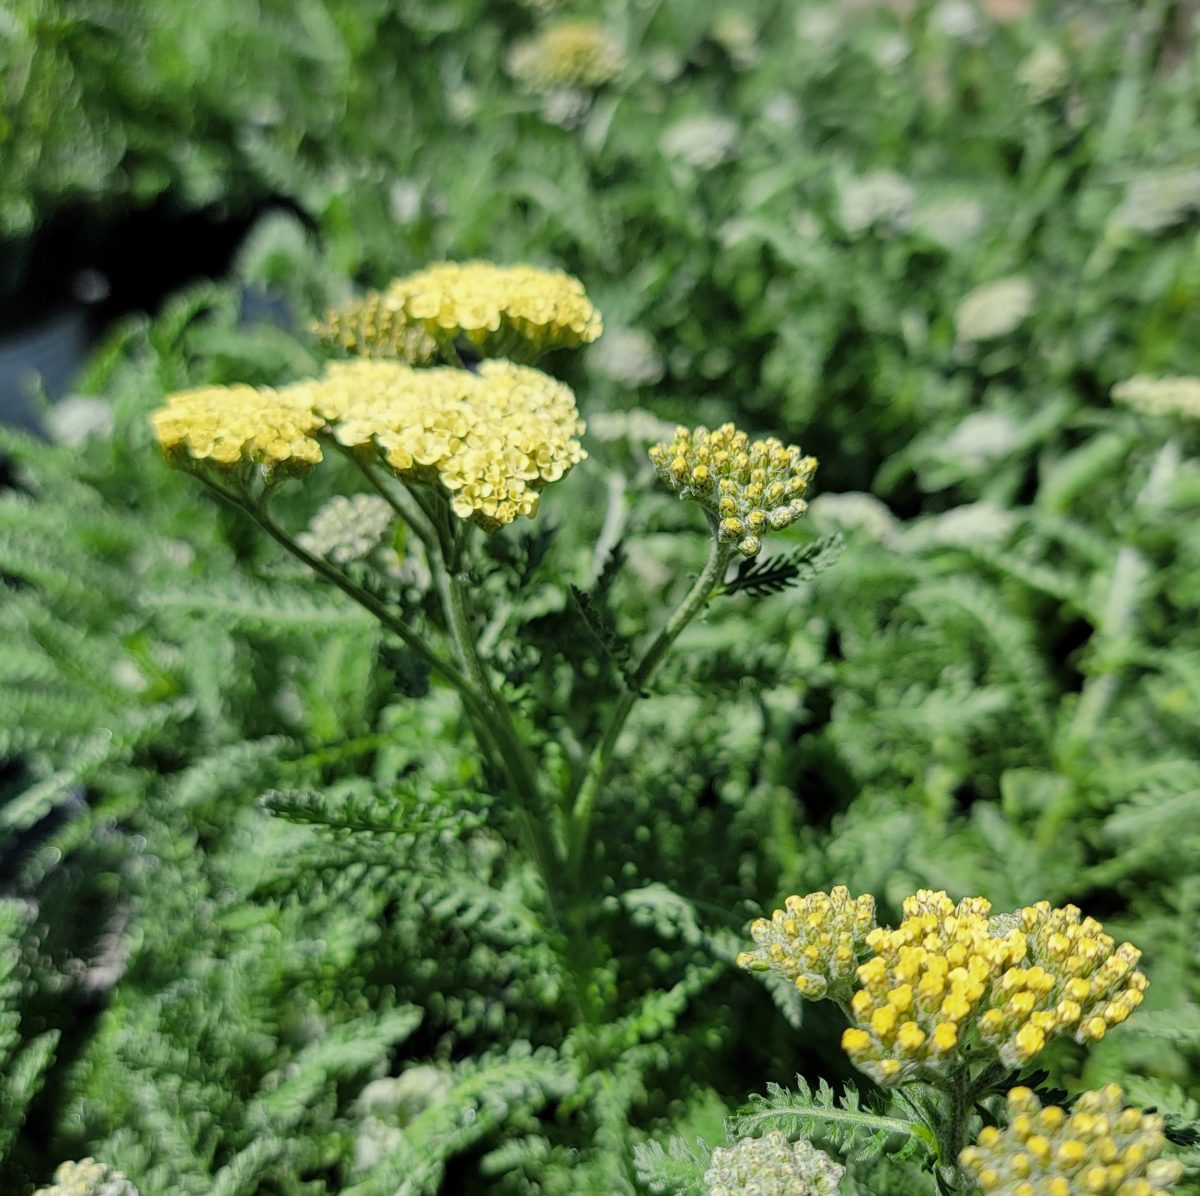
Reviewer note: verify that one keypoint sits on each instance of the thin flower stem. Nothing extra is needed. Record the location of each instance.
(583, 798)
(409, 516)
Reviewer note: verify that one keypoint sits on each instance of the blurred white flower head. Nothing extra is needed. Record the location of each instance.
(994, 309)
(882, 200)
(703, 142)
(627, 356)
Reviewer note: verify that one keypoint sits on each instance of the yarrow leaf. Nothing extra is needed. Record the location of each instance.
(762, 578)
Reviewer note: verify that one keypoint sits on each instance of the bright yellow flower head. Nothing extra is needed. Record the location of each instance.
(814, 942)
(949, 975)
(376, 326)
(1099, 1149)
(493, 439)
(518, 312)
(752, 487)
(578, 54)
(232, 426)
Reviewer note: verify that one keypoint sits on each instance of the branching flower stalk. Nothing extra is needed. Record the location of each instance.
(458, 453)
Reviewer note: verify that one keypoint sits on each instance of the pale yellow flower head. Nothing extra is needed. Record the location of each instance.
(518, 312)
(814, 941)
(1161, 396)
(232, 426)
(493, 439)
(949, 976)
(751, 487)
(568, 53)
(88, 1178)
(1099, 1148)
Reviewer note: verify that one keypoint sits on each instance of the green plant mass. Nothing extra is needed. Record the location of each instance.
(639, 636)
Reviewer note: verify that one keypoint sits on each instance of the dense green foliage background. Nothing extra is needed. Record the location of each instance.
(780, 211)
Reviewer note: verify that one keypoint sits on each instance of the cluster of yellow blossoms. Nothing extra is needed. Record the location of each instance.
(493, 439)
(374, 326)
(950, 972)
(1160, 396)
(1099, 1149)
(772, 1166)
(751, 487)
(226, 426)
(88, 1178)
(814, 941)
(579, 54)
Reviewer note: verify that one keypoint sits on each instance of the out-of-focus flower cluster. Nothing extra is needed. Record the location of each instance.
(751, 487)
(1160, 396)
(1098, 1149)
(575, 54)
(348, 529)
(772, 1166)
(814, 941)
(703, 141)
(227, 426)
(88, 1178)
(493, 439)
(950, 975)
(994, 310)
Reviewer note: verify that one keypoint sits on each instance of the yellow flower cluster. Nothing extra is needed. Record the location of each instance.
(950, 973)
(772, 1166)
(751, 487)
(376, 326)
(566, 54)
(228, 426)
(1161, 396)
(492, 439)
(814, 941)
(518, 312)
(1098, 1149)
(88, 1178)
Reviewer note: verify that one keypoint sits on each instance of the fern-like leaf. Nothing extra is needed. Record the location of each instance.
(760, 579)
(676, 1171)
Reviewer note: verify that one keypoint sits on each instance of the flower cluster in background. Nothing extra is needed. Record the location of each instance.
(88, 1178)
(772, 1166)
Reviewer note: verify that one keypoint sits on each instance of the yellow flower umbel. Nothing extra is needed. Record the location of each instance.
(1179, 397)
(772, 1166)
(951, 976)
(88, 1178)
(493, 440)
(376, 325)
(232, 426)
(750, 487)
(1098, 1149)
(576, 54)
(814, 941)
(518, 312)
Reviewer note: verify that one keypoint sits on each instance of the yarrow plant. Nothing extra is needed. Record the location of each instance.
(945, 1011)
(88, 1178)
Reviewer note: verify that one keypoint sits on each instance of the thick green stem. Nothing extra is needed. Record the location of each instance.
(584, 797)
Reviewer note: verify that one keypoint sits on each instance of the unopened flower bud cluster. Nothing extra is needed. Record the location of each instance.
(376, 325)
(950, 975)
(772, 1166)
(88, 1178)
(752, 487)
(1161, 396)
(814, 941)
(1098, 1149)
(348, 529)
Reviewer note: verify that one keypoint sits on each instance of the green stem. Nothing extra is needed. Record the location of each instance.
(392, 500)
(587, 791)
(952, 1129)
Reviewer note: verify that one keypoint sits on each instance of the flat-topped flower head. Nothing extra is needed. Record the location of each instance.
(949, 976)
(1074, 980)
(814, 941)
(227, 427)
(772, 1166)
(518, 312)
(493, 439)
(1099, 1148)
(569, 53)
(88, 1178)
(376, 326)
(751, 487)
(1179, 397)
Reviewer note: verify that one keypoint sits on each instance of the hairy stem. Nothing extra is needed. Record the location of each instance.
(595, 772)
